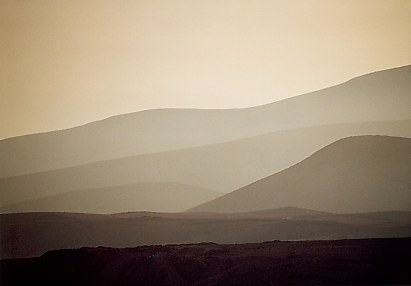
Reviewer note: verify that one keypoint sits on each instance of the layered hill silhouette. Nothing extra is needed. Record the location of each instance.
(380, 96)
(165, 197)
(221, 167)
(32, 234)
(356, 174)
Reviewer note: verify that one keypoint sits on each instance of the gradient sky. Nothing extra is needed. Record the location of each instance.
(69, 62)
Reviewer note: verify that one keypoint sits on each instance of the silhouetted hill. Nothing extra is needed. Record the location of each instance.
(157, 197)
(222, 167)
(32, 234)
(356, 174)
(379, 96)
(341, 262)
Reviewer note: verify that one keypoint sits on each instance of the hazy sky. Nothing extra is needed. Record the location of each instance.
(68, 62)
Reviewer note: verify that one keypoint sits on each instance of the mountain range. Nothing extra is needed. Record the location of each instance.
(331, 164)
(215, 160)
(373, 169)
(375, 97)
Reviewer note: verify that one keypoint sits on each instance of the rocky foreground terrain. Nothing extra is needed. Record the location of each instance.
(356, 261)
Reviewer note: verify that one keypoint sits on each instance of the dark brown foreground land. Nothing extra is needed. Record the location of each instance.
(356, 261)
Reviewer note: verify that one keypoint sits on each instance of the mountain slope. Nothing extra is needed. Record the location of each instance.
(379, 96)
(49, 231)
(157, 197)
(222, 167)
(356, 174)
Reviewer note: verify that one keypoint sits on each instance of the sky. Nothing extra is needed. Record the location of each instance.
(69, 62)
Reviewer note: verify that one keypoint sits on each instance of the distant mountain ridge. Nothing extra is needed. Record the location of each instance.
(379, 96)
(160, 197)
(355, 174)
(222, 167)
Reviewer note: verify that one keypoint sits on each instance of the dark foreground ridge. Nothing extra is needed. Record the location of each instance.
(356, 261)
